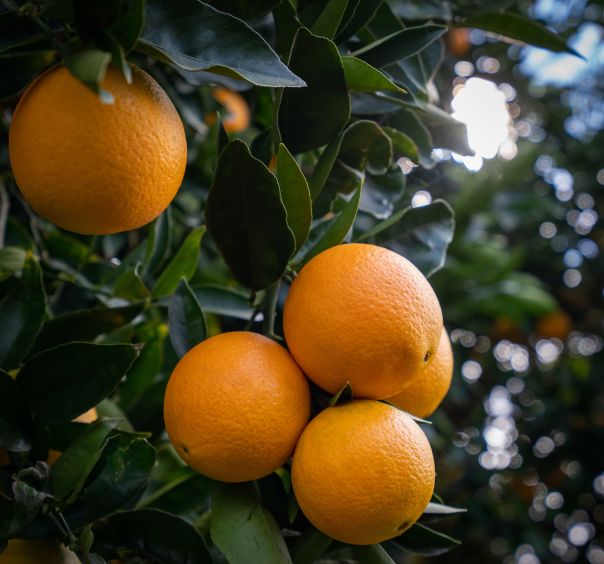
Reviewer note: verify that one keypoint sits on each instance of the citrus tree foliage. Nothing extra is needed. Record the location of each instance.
(342, 101)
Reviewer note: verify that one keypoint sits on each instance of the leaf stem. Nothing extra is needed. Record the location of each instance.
(269, 309)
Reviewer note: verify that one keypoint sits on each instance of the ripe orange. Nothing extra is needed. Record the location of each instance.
(363, 472)
(362, 314)
(97, 168)
(237, 118)
(457, 40)
(235, 406)
(20, 551)
(423, 395)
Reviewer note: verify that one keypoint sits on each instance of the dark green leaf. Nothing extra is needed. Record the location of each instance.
(89, 66)
(408, 123)
(185, 319)
(84, 325)
(309, 547)
(381, 193)
(435, 512)
(247, 219)
(70, 471)
(182, 265)
(421, 235)
(313, 116)
(158, 243)
(294, 194)
(130, 285)
(244, 9)
(22, 312)
(402, 144)
(16, 30)
(362, 77)
(242, 529)
(372, 554)
(61, 383)
(421, 10)
(19, 69)
(323, 167)
(447, 132)
(332, 231)
(364, 10)
(152, 534)
(345, 394)
(13, 416)
(365, 146)
(423, 540)
(224, 301)
(328, 21)
(400, 45)
(520, 28)
(125, 469)
(197, 37)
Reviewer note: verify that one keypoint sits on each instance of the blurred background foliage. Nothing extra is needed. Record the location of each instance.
(519, 440)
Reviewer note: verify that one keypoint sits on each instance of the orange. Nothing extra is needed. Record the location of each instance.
(362, 314)
(423, 395)
(97, 168)
(237, 117)
(457, 40)
(556, 325)
(235, 406)
(363, 472)
(20, 551)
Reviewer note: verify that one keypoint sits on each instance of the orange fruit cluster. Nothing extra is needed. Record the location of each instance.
(237, 405)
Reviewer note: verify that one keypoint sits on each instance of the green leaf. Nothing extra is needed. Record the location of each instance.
(89, 67)
(446, 132)
(382, 193)
(61, 383)
(158, 243)
(12, 259)
(313, 116)
(84, 325)
(323, 167)
(400, 45)
(242, 529)
(435, 512)
(362, 77)
(344, 395)
(423, 540)
(244, 9)
(22, 311)
(363, 12)
(421, 235)
(182, 265)
(408, 123)
(372, 554)
(125, 468)
(402, 144)
(247, 219)
(329, 20)
(295, 195)
(332, 231)
(17, 30)
(70, 471)
(224, 301)
(196, 36)
(14, 419)
(130, 285)
(421, 10)
(185, 319)
(309, 547)
(520, 28)
(365, 146)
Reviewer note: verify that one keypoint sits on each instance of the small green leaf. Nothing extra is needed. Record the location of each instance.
(344, 395)
(437, 512)
(309, 547)
(124, 472)
(70, 471)
(185, 319)
(196, 36)
(423, 540)
(311, 117)
(402, 144)
(61, 383)
(365, 146)
(329, 19)
(130, 285)
(372, 554)
(242, 529)
(158, 243)
(22, 310)
(332, 230)
(12, 259)
(446, 131)
(151, 534)
(408, 123)
(421, 235)
(84, 325)
(247, 219)
(182, 265)
(359, 14)
(17, 30)
(295, 195)
(323, 167)
(362, 77)
(400, 45)
(520, 28)
(14, 419)
(89, 67)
